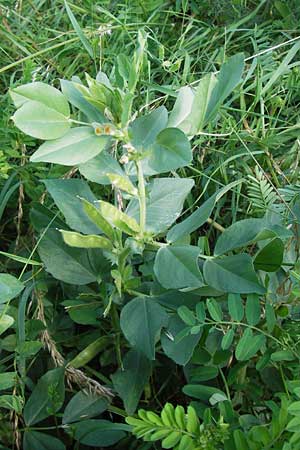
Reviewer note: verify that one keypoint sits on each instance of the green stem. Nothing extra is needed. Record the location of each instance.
(142, 196)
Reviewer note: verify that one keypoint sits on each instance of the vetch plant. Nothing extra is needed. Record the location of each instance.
(138, 264)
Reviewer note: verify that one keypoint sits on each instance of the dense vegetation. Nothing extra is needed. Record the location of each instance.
(149, 204)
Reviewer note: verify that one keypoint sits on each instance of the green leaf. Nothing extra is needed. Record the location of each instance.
(227, 79)
(84, 312)
(270, 257)
(141, 321)
(214, 309)
(77, 146)
(119, 219)
(182, 263)
(97, 168)
(83, 406)
(66, 194)
(180, 114)
(198, 217)
(186, 315)
(200, 391)
(270, 317)
(235, 307)
(203, 373)
(79, 31)
(193, 222)
(46, 398)
(12, 403)
(10, 287)
(39, 121)
(182, 351)
(130, 381)
(170, 151)
(163, 204)
(71, 265)
(8, 380)
(249, 345)
(5, 323)
(78, 240)
(232, 274)
(145, 129)
(42, 93)
(76, 98)
(283, 355)
(35, 440)
(93, 432)
(242, 233)
(227, 339)
(240, 440)
(253, 309)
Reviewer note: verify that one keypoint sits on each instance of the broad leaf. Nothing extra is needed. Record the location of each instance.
(43, 93)
(76, 98)
(66, 194)
(6, 322)
(93, 432)
(141, 322)
(130, 381)
(46, 398)
(198, 217)
(179, 116)
(182, 267)
(214, 309)
(232, 274)
(270, 257)
(8, 380)
(83, 406)
(170, 151)
(193, 222)
(77, 146)
(201, 391)
(163, 204)
(35, 440)
(71, 265)
(227, 79)
(41, 122)
(10, 287)
(241, 234)
(96, 169)
(144, 129)
(179, 351)
(249, 345)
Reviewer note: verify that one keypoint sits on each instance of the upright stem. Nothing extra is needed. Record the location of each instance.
(142, 196)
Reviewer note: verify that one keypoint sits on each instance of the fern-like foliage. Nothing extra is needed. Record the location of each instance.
(178, 430)
(260, 191)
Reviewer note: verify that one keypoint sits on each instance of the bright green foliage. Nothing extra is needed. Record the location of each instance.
(177, 429)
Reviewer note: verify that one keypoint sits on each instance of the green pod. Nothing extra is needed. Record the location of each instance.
(86, 355)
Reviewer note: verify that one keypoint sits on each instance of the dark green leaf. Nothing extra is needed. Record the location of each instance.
(83, 406)
(235, 307)
(130, 381)
(232, 274)
(214, 309)
(249, 345)
(182, 351)
(141, 321)
(270, 257)
(66, 195)
(46, 398)
(93, 432)
(35, 440)
(253, 309)
(182, 263)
